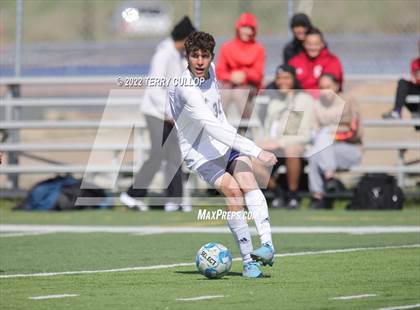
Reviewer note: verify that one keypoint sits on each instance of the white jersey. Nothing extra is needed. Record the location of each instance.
(203, 130)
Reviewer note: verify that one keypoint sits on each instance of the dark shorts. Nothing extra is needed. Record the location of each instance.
(213, 169)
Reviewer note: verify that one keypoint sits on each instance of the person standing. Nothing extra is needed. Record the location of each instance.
(167, 62)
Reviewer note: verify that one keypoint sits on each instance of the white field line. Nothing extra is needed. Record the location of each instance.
(22, 234)
(53, 296)
(211, 229)
(200, 298)
(50, 274)
(353, 297)
(401, 307)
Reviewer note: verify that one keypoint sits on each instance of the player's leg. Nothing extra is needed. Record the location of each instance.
(257, 205)
(238, 225)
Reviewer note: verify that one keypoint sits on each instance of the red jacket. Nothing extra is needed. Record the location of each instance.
(245, 56)
(309, 70)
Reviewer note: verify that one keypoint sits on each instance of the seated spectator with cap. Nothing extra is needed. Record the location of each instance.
(286, 116)
(407, 88)
(337, 138)
(300, 24)
(315, 60)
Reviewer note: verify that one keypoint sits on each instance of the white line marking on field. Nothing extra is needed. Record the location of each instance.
(22, 234)
(53, 296)
(209, 229)
(353, 297)
(401, 307)
(50, 274)
(200, 298)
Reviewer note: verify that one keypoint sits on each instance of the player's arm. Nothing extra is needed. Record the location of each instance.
(199, 112)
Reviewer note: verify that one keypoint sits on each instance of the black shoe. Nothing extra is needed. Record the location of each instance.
(317, 204)
(334, 186)
(292, 201)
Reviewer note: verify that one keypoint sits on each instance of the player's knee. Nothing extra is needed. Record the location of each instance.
(232, 191)
(234, 197)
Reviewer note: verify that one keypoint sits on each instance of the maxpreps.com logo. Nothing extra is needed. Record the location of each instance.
(206, 215)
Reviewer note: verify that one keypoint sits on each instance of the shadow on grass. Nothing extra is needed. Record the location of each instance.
(232, 274)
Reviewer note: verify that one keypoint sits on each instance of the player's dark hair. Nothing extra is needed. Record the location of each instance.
(200, 41)
(315, 31)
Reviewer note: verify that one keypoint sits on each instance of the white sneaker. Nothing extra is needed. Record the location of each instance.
(171, 207)
(132, 203)
(186, 208)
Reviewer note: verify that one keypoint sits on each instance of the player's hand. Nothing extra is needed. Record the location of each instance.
(238, 77)
(267, 158)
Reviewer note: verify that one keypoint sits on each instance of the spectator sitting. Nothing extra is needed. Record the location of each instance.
(315, 61)
(404, 89)
(337, 126)
(287, 121)
(241, 65)
(300, 24)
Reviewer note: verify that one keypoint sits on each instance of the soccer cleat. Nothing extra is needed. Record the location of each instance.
(264, 254)
(252, 270)
(132, 203)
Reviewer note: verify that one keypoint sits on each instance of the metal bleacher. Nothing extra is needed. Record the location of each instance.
(13, 104)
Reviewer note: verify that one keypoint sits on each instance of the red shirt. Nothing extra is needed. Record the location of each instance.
(245, 56)
(308, 70)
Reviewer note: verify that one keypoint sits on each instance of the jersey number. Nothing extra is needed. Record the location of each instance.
(216, 109)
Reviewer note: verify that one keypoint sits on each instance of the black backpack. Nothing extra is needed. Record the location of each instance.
(377, 192)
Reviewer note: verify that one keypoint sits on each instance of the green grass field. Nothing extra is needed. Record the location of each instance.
(376, 265)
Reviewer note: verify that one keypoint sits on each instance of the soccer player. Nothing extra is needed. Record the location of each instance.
(212, 148)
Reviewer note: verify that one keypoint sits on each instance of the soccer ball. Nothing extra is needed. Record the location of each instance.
(213, 260)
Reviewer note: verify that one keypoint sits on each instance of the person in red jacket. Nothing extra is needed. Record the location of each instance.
(241, 65)
(315, 61)
(404, 89)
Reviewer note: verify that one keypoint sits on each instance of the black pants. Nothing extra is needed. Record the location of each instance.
(404, 89)
(161, 134)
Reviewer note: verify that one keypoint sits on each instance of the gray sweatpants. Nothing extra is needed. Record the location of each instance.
(336, 156)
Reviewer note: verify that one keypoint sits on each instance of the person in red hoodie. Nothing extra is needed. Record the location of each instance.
(241, 65)
(315, 61)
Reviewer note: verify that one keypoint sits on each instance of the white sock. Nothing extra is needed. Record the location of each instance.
(257, 205)
(240, 230)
